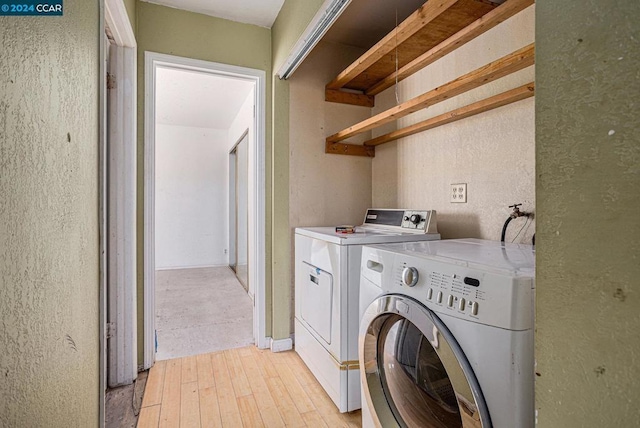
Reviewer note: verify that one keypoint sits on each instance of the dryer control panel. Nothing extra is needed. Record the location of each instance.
(420, 221)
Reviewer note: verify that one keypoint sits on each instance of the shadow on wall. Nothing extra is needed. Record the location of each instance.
(453, 226)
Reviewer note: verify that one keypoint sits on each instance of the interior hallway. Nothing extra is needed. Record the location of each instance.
(244, 387)
(201, 310)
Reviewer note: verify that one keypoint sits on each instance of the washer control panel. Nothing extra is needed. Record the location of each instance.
(455, 292)
(462, 292)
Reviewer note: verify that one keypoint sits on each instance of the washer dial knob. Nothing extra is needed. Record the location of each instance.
(410, 276)
(415, 218)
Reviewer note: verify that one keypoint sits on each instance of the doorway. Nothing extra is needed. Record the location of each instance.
(187, 217)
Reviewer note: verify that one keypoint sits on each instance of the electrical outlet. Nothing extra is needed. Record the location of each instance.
(458, 193)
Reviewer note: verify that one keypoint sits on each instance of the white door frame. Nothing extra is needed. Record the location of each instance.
(257, 216)
(119, 201)
(102, 99)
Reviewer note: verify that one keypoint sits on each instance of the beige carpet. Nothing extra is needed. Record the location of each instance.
(200, 311)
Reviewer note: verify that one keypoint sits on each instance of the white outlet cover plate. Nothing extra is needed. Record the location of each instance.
(458, 193)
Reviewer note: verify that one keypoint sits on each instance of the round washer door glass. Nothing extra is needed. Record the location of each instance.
(415, 373)
(413, 378)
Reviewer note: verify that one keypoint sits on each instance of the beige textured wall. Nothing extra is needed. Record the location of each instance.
(492, 152)
(49, 244)
(324, 189)
(192, 35)
(291, 22)
(588, 162)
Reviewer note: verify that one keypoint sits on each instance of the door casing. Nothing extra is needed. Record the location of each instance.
(257, 232)
(121, 363)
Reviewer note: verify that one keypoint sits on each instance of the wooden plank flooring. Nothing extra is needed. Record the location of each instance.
(244, 387)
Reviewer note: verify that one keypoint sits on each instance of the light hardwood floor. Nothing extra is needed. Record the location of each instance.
(243, 387)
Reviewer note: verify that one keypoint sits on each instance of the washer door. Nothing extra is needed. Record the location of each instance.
(414, 372)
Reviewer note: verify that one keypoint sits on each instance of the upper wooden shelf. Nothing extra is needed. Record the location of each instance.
(437, 28)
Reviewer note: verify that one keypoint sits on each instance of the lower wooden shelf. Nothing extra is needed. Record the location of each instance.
(487, 104)
(368, 148)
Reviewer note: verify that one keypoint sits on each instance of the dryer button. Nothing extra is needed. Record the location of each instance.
(450, 301)
(439, 297)
(474, 308)
(461, 304)
(429, 294)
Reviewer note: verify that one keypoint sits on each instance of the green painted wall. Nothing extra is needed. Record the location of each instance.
(588, 176)
(49, 242)
(292, 20)
(171, 31)
(130, 5)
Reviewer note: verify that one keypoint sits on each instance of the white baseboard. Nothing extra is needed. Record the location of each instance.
(265, 343)
(280, 345)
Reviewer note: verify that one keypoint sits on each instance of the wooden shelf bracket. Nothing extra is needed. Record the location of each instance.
(343, 97)
(350, 149)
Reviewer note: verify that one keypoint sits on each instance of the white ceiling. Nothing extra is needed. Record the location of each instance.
(185, 98)
(256, 12)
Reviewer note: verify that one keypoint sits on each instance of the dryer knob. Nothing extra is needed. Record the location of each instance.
(416, 218)
(410, 276)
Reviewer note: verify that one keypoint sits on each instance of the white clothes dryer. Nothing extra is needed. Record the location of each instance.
(327, 279)
(446, 335)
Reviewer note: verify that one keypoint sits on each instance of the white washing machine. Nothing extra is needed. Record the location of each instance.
(327, 279)
(446, 335)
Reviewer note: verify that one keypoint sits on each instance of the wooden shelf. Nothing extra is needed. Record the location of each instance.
(504, 66)
(508, 97)
(434, 30)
